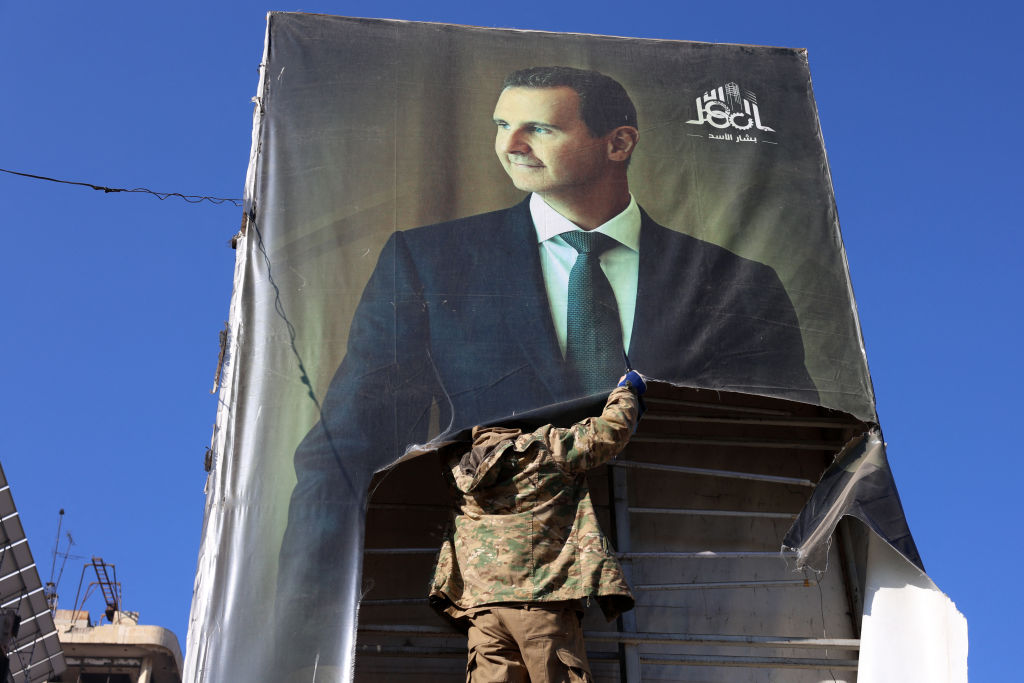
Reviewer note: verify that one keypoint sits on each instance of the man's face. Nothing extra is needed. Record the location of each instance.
(543, 144)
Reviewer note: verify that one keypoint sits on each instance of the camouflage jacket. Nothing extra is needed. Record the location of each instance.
(524, 527)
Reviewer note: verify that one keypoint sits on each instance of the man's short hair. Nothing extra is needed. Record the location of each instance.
(604, 103)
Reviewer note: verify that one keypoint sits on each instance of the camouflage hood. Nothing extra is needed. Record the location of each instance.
(477, 468)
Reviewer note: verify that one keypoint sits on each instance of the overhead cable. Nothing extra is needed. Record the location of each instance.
(190, 198)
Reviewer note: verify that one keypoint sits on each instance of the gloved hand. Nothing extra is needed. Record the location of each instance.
(634, 381)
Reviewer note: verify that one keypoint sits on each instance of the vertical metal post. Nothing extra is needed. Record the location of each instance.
(851, 577)
(630, 652)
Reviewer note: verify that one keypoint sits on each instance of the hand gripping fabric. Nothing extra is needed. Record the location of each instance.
(634, 381)
(594, 333)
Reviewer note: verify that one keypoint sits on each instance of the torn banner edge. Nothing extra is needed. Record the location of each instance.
(859, 484)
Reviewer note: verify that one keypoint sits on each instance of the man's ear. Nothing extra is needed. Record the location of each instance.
(621, 143)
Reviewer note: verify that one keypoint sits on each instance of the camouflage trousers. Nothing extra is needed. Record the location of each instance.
(528, 643)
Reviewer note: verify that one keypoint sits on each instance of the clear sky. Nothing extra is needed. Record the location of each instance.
(113, 302)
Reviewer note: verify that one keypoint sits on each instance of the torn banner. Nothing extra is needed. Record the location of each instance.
(397, 283)
(859, 484)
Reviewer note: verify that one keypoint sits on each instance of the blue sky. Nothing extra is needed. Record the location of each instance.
(113, 302)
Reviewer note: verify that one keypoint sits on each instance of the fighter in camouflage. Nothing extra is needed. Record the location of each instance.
(525, 547)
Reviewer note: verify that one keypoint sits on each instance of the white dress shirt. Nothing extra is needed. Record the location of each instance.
(620, 264)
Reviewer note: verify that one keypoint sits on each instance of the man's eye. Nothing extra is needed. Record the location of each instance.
(540, 129)
(502, 125)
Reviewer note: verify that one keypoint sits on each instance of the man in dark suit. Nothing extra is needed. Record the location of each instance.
(475, 317)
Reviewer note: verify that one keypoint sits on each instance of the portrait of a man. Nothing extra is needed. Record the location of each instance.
(473, 314)
(473, 320)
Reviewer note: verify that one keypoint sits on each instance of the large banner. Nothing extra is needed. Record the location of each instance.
(408, 270)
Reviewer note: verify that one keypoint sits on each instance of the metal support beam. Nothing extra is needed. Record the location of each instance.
(827, 446)
(701, 554)
(724, 640)
(454, 653)
(750, 410)
(409, 629)
(671, 660)
(400, 551)
(651, 638)
(713, 513)
(410, 506)
(29, 644)
(816, 422)
(754, 662)
(704, 472)
(709, 555)
(42, 662)
(396, 601)
(620, 510)
(851, 576)
(781, 583)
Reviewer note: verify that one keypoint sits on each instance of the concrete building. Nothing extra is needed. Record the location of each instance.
(122, 651)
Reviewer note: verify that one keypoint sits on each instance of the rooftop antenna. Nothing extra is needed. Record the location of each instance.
(50, 589)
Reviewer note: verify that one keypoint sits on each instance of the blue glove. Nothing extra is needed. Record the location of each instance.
(635, 382)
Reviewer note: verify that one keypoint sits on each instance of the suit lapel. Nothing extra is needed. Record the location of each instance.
(661, 304)
(524, 304)
(641, 338)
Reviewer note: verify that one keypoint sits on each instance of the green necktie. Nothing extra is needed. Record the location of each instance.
(593, 349)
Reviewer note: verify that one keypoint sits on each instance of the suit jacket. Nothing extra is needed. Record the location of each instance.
(456, 314)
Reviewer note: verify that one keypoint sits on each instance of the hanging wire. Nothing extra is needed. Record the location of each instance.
(190, 198)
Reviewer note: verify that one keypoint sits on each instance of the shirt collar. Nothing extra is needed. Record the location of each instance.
(624, 228)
